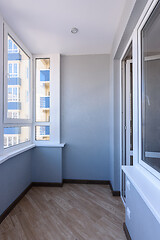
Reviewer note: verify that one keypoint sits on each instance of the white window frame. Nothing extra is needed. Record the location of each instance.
(4, 121)
(1, 86)
(8, 31)
(141, 162)
(54, 101)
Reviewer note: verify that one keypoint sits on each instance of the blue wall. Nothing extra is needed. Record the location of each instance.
(84, 116)
(15, 176)
(40, 164)
(47, 164)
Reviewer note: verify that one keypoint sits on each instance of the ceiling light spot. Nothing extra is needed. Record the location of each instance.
(74, 30)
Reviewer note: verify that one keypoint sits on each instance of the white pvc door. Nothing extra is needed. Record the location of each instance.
(129, 114)
(127, 156)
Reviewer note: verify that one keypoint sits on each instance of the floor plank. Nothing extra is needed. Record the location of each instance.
(74, 212)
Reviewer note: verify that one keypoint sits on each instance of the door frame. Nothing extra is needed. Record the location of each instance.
(123, 112)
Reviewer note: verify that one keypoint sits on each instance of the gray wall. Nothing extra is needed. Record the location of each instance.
(15, 176)
(47, 164)
(115, 156)
(135, 15)
(84, 116)
(117, 152)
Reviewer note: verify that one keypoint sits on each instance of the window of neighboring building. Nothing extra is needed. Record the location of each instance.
(150, 91)
(15, 135)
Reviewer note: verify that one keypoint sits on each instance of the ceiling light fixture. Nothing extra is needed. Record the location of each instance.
(74, 30)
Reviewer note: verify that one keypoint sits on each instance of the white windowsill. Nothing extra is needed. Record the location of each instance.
(14, 153)
(9, 155)
(45, 144)
(146, 185)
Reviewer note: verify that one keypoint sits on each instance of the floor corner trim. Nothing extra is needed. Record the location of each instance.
(86, 181)
(13, 204)
(126, 231)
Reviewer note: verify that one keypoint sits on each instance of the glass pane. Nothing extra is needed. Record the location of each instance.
(43, 90)
(16, 135)
(131, 109)
(18, 82)
(42, 133)
(150, 90)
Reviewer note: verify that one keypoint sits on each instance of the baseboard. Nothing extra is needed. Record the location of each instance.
(104, 182)
(114, 193)
(79, 181)
(126, 232)
(47, 184)
(8, 210)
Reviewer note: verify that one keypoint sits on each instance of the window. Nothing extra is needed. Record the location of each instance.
(13, 70)
(12, 47)
(18, 129)
(15, 135)
(150, 95)
(42, 90)
(42, 133)
(13, 94)
(47, 100)
(17, 123)
(18, 83)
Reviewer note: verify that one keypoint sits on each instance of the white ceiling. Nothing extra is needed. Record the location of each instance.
(44, 25)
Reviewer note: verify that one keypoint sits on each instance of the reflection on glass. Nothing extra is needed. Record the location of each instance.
(150, 100)
(18, 82)
(16, 135)
(42, 90)
(42, 133)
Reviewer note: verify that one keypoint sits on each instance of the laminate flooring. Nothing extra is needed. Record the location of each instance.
(73, 212)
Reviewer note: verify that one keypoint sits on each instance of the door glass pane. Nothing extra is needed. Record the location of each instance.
(18, 81)
(131, 108)
(42, 90)
(150, 91)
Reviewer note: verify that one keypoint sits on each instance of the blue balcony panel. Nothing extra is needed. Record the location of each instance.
(12, 130)
(44, 75)
(14, 56)
(14, 81)
(44, 130)
(14, 105)
(44, 102)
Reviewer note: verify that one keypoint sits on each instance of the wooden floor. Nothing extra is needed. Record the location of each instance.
(74, 212)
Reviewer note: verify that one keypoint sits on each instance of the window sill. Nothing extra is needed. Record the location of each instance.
(47, 144)
(146, 185)
(14, 153)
